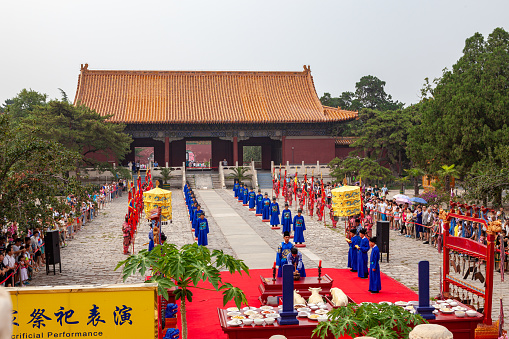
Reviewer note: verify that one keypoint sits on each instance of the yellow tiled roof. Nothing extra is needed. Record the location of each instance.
(345, 140)
(205, 97)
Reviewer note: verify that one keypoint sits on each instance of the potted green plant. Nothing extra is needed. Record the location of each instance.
(165, 176)
(183, 268)
(381, 321)
(239, 174)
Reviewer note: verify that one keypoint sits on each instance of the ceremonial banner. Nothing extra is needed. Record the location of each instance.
(346, 201)
(158, 197)
(112, 311)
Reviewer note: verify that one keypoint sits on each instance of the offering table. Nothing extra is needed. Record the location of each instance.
(268, 287)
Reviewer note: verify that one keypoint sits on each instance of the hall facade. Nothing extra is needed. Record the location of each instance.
(278, 111)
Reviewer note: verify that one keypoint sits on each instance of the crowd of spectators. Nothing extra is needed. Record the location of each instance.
(22, 251)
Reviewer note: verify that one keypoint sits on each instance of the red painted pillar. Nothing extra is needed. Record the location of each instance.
(490, 267)
(167, 151)
(283, 155)
(445, 236)
(235, 151)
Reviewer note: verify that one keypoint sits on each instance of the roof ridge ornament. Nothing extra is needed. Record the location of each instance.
(84, 68)
(307, 69)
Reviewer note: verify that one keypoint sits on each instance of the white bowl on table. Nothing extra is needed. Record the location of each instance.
(459, 314)
(471, 313)
(234, 322)
(453, 303)
(247, 321)
(314, 307)
(259, 321)
(270, 320)
(323, 318)
(303, 314)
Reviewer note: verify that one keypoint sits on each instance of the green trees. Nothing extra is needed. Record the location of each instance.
(32, 176)
(183, 268)
(369, 93)
(80, 129)
(365, 168)
(383, 135)
(465, 115)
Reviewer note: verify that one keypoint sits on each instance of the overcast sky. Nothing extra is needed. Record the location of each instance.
(401, 42)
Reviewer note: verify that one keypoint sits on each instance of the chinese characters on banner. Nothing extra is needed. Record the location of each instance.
(114, 311)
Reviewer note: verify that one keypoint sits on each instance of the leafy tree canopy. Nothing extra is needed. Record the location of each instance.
(369, 93)
(79, 129)
(22, 105)
(32, 176)
(382, 135)
(465, 115)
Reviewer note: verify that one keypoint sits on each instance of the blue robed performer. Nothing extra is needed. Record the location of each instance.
(196, 220)
(375, 284)
(245, 196)
(151, 238)
(193, 211)
(362, 255)
(236, 188)
(452, 226)
(274, 213)
(203, 230)
(299, 226)
(266, 207)
(286, 219)
(352, 251)
(241, 193)
(259, 205)
(282, 252)
(295, 259)
(252, 199)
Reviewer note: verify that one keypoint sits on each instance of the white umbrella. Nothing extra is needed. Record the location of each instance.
(401, 196)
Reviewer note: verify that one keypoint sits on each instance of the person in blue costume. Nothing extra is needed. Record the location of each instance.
(299, 226)
(266, 207)
(282, 252)
(362, 255)
(245, 196)
(352, 251)
(193, 211)
(375, 284)
(295, 259)
(252, 199)
(241, 193)
(286, 219)
(236, 188)
(259, 206)
(195, 220)
(452, 227)
(274, 213)
(196, 225)
(151, 238)
(203, 230)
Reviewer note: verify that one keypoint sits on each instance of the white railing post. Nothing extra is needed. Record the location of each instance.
(183, 174)
(271, 167)
(254, 181)
(221, 175)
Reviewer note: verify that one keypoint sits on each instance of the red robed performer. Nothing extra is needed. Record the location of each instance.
(295, 186)
(323, 198)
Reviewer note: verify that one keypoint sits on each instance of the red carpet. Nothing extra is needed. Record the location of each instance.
(203, 321)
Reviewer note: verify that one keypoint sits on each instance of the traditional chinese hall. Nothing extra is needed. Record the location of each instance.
(203, 117)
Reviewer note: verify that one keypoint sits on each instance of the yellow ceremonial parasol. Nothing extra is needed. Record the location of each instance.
(346, 201)
(158, 197)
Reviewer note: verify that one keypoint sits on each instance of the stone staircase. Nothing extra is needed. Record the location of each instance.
(216, 181)
(264, 179)
(203, 181)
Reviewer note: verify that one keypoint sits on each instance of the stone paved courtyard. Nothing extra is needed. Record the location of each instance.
(92, 256)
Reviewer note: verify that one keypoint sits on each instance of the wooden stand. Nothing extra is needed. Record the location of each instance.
(303, 330)
(275, 288)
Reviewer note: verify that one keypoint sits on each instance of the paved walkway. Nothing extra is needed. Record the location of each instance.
(243, 240)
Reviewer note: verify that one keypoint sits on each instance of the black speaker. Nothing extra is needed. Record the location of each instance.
(52, 250)
(382, 237)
